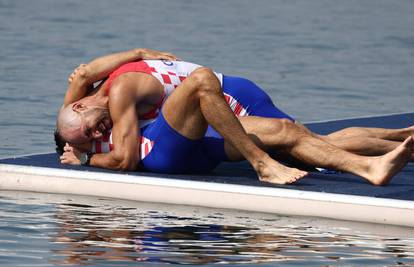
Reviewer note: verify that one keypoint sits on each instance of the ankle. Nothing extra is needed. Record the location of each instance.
(260, 160)
(371, 166)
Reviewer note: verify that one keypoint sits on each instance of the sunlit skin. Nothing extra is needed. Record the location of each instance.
(85, 122)
(324, 151)
(200, 91)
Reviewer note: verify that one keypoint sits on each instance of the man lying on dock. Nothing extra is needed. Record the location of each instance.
(164, 115)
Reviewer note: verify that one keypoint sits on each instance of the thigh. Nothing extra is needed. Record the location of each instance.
(182, 108)
(270, 134)
(172, 152)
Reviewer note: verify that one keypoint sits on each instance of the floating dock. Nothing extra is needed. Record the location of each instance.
(338, 196)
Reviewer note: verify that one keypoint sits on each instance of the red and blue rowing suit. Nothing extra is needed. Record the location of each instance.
(165, 150)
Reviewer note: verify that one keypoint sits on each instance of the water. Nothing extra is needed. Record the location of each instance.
(67, 230)
(317, 59)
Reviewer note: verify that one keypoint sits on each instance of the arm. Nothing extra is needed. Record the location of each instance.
(99, 68)
(126, 154)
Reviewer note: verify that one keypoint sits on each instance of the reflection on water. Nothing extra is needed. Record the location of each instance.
(63, 230)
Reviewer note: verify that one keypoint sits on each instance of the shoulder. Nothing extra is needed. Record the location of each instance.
(122, 91)
(135, 84)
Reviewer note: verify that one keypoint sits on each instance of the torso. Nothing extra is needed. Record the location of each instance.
(157, 79)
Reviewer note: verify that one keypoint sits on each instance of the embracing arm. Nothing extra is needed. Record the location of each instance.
(125, 133)
(99, 68)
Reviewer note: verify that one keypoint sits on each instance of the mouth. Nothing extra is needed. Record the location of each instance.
(105, 125)
(101, 127)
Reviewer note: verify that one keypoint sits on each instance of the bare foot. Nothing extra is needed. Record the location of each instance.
(271, 171)
(385, 167)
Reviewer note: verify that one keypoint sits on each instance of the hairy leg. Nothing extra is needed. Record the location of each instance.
(275, 134)
(366, 146)
(199, 101)
(361, 140)
(379, 133)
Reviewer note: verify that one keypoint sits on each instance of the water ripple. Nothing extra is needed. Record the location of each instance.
(71, 231)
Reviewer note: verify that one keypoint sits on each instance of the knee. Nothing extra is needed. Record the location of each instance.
(286, 125)
(287, 130)
(205, 81)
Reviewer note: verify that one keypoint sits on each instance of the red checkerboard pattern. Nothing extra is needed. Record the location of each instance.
(170, 80)
(105, 145)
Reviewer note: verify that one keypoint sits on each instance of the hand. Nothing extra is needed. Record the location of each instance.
(71, 155)
(79, 70)
(153, 54)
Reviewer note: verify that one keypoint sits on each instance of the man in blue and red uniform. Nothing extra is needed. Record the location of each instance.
(173, 106)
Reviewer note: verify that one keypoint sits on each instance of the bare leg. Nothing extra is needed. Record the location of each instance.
(380, 133)
(357, 140)
(366, 146)
(199, 101)
(274, 134)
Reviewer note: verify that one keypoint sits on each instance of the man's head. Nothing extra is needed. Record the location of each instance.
(83, 121)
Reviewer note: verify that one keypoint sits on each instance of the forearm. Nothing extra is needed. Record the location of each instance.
(101, 67)
(97, 70)
(111, 161)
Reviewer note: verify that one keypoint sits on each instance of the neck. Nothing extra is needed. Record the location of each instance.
(99, 89)
(97, 100)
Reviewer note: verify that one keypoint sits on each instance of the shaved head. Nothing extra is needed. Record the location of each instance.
(69, 125)
(84, 120)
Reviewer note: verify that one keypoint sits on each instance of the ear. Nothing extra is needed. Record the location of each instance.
(96, 134)
(78, 106)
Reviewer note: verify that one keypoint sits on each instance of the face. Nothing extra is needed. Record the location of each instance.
(80, 123)
(94, 122)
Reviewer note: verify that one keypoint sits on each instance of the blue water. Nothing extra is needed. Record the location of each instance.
(50, 230)
(317, 59)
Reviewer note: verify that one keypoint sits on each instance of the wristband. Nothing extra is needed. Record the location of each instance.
(85, 159)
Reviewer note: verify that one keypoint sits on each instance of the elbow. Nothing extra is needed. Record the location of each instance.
(128, 166)
(126, 163)
(137, 52)
(83, 74)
